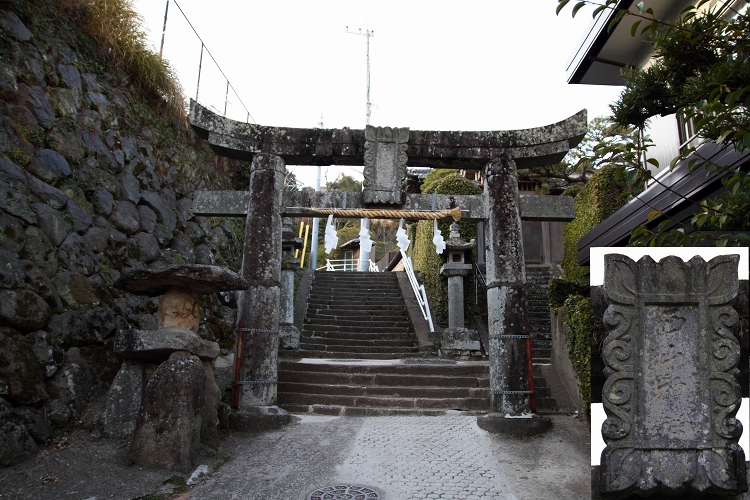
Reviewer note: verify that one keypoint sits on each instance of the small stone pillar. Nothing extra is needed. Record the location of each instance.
(510, 409)
(288, 333)
(456, 341)
(259, 307)
(671, 393)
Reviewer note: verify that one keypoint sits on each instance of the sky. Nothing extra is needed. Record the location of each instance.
(435, 65)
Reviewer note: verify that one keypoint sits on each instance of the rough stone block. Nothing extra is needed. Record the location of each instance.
(123, 401)
(167, 434)
(258, 418)
(156, 346)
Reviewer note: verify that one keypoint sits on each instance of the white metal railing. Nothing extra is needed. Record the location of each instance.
(419, 290)
(347, 265)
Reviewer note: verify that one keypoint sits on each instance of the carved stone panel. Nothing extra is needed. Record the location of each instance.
(671, 393)
(385, 165)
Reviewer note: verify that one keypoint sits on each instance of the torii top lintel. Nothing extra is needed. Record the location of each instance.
(462, 150)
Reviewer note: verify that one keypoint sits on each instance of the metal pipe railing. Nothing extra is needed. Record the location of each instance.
(419, 291)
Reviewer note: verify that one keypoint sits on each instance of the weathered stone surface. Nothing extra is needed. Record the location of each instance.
(11, 274)
(12, 235)
(23, 310)
(15, 203)
(46, 193)
(34, 422)
(40, 251)
(8, 84)
(36, 101)
(506, 294)
(148, 248)
(438, 149)
(96, 239)
(93, 142)
(167, 432)
(288, 337)
(52, 223)
(147, 218)
(499, 423)
(155, 346)
(49, 165)
(39, 283)
(459, 339)
(102, 201)
(71, 77)
(123, 401)
(131, 190)
(76, 382)
(75, 290)
(13, 175)
(58, 412)
(385, 160)
(671, 393)
(14, 27)
(259, 306)
(80, 217)
(258, 418)
(209, 411)
(184, 247)
(16, 445)
(547, 208)
(197, 278)
(47, 352)
(78, 257)
(76, 329)
(204, 255)
(124, 216)
(165, 214)
(21, 379)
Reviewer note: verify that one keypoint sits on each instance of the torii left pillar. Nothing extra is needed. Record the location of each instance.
(256, 378)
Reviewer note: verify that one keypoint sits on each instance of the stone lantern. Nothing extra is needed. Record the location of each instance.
(456, 341)
(288, 333)
(172, 411)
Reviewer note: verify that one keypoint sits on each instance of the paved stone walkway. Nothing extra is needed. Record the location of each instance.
(416, 458)
(403, 458)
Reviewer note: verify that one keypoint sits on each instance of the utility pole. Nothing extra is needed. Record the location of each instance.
(316, 220)
(364, 257)
(164, 30)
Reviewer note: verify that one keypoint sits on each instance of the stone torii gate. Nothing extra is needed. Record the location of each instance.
(385, 153)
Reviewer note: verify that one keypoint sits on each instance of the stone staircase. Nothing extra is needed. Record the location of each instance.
(537, 283)
(357, 315)
(361, 357)
(388, 387)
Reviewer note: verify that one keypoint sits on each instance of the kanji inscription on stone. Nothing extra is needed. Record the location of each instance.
(385, 165)
(671, 393)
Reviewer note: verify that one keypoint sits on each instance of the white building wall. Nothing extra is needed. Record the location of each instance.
(664, 133)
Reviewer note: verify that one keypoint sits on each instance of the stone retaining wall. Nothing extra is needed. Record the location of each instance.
(93, 182)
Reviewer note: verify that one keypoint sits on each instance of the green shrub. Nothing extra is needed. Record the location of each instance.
(429, 262)
(560, 289)
(579, 336)
(594, 202)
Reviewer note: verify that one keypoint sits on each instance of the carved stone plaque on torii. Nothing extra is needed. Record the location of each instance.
(385, 153)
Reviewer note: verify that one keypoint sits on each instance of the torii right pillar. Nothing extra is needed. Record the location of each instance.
(510, 395)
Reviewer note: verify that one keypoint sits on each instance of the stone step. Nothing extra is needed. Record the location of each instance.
(358, 321)
(349, 411)
(361, 306)
(307, 327)
(475, 404)
(384, 391)
(329, 310)
(433, 367)
(377, 349)
(407, 342)
(345, 302)
(402, 335)
(349, 355)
